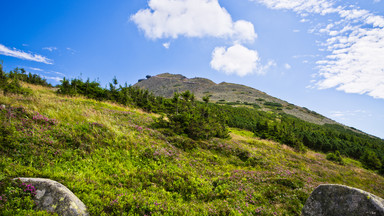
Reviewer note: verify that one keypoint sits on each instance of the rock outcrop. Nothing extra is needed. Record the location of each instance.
(337, 200)
(55, 197)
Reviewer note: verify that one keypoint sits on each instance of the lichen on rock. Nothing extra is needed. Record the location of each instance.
(336, 200)
(55, 197)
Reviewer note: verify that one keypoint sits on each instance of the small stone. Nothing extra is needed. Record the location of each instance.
(335, 200)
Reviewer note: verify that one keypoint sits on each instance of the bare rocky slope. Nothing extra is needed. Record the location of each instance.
(227, 93)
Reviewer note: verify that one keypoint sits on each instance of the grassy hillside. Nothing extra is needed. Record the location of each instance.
(114, 159)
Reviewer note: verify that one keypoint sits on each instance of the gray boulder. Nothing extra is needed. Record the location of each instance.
(339, 200)
(55, 197)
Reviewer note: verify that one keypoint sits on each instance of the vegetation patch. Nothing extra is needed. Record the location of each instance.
(272, 104)
(106, 145)
(335, 157)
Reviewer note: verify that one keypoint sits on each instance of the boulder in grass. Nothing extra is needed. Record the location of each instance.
(338, 200)
(55, 197)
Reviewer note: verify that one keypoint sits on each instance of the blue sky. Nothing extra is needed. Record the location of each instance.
(326, 55)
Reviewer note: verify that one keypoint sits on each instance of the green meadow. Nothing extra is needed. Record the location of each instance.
(116, 160)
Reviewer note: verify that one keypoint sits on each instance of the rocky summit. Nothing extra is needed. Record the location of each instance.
(227, 93)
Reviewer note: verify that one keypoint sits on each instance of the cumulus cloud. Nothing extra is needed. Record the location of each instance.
(354, 46)
(244, 31)
(203, 18)
(191, 18)
(23, 55)
(236, 59)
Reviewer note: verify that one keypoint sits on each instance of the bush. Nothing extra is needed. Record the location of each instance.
(273, 104)
(336, 157)
(7, 138)
(370, 160)
(14, 87)
(196, 120)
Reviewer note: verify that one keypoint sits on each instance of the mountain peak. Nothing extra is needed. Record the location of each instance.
(167, 84)
(171, 76)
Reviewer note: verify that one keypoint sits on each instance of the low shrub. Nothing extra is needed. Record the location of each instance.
(16, 198)
(336, 157)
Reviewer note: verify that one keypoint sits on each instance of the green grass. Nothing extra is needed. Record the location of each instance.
(112, 158)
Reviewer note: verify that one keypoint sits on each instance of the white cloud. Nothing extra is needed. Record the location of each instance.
(287, 66)
(23, 55)
(191, 18)
(47, 72)
(203, 18)
(301, 6)
(57, 79)
(244, 31)
(345, 115)
(58, 73)
(377, 21)
(356, 64)
(72, 51)
(35, 69)
(54, 72)
(264, 68)
(51, 49)
(337, 114)
(236, 59)
(166, 45)
(354, 46)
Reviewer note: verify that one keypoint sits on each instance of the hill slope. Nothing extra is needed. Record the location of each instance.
(226, 93)
(112, 158)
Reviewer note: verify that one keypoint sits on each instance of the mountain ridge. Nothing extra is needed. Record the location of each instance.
(166, 84)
